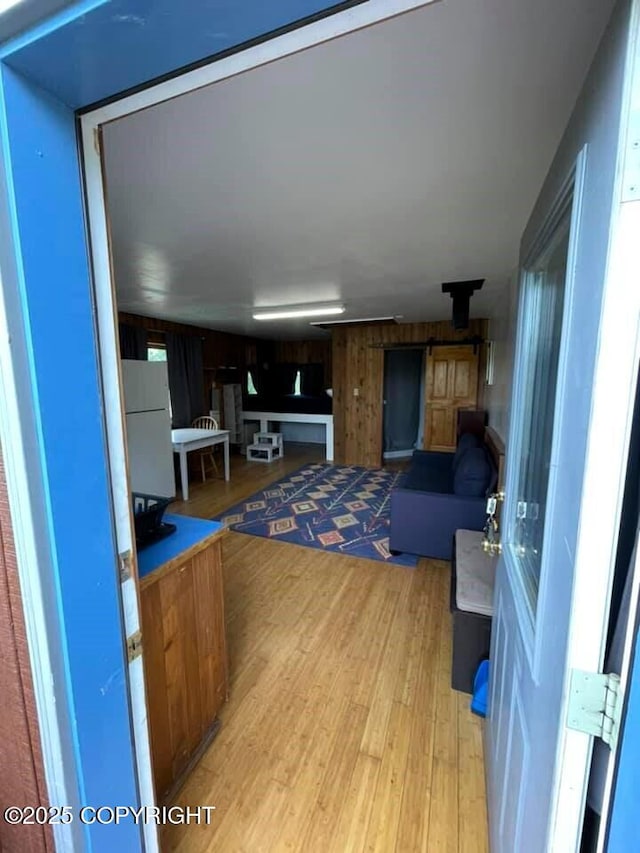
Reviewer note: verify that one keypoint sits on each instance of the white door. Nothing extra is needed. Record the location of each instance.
(575, 364)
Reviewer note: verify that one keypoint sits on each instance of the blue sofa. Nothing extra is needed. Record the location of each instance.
(439, 494)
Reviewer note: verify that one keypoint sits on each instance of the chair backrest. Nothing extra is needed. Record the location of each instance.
(205, 422)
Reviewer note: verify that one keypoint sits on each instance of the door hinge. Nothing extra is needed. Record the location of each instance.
(595, 705)
(125, 565)
(134, 646)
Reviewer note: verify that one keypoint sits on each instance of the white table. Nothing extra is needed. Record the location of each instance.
(296, 418)
(185, 440)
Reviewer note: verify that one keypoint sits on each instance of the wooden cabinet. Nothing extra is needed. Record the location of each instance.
(185, 659)
(452, 384)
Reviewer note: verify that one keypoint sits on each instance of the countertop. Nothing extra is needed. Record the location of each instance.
(190, 532)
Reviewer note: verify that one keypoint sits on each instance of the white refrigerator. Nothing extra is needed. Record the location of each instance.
(148, 420)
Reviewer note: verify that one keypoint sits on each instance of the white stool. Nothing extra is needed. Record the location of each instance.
(272, 439)
(263, 452)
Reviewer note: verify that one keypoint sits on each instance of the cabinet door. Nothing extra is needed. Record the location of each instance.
(185, 661)
(171, 673)
(156, 687)
(209, 604)
(452, 384)
(177, 611)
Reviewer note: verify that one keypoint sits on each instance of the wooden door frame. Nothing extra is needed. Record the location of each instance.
(479, 384)
(423, 389)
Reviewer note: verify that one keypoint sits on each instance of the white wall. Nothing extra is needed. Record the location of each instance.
(304, 433)
(502, 326)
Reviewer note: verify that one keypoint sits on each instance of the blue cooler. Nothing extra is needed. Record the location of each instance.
(481, 690)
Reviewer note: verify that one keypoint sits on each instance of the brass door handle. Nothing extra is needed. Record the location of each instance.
(491, 542)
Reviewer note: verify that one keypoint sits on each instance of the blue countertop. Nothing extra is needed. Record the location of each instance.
(189, 532)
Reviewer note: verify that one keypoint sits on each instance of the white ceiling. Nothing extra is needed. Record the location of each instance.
(367, 170)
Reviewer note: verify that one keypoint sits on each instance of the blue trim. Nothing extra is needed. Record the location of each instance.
(39, 147)
(189, 532)
(150, 38)
(56, 22)
(624, 825)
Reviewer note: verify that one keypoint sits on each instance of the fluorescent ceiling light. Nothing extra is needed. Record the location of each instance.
(291, 313)
(394, 317)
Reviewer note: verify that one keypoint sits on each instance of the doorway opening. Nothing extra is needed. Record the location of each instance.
(403, 401)
(622, 616)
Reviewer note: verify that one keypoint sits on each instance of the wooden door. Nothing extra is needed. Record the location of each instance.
(452, 384)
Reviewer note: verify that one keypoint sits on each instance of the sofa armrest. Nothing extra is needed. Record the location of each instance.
(424, 523)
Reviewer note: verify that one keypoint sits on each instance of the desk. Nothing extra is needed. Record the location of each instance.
(266, 418)
(185, 440)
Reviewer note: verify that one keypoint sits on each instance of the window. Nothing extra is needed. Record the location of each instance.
(251, 388)
(542, 307)
(296, 385)
(159, 353)
(156, 353)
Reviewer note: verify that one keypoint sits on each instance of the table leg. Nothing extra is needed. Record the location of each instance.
(184, 475)
(226, 458)
(329, 441)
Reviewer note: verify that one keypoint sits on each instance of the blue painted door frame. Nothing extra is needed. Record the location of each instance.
(624, 826)
(90, 51)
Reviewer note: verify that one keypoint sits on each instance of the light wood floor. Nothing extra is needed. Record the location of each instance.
(341, 732)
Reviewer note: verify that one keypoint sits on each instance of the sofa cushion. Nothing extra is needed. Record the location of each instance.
(429, 472)
(466, 441)
(473, 474)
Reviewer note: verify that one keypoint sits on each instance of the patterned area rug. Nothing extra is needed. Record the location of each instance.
(334, 507)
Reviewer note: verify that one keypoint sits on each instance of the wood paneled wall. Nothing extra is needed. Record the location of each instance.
(307, 352)
(358, 364)
(225, 350)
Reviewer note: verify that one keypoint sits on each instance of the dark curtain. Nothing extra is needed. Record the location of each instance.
(186, 383)
(312, 380)
(402, 383)
(133, 342)
(283, 377)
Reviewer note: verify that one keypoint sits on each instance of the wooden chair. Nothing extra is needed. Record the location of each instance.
(206, 422)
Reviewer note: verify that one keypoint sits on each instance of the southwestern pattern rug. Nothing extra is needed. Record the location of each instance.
(334, 507)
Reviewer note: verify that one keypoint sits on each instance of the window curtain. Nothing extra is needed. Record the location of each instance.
(283, 377)
(133, 342)
(186, 382)
(401, 418)
(312, 380)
